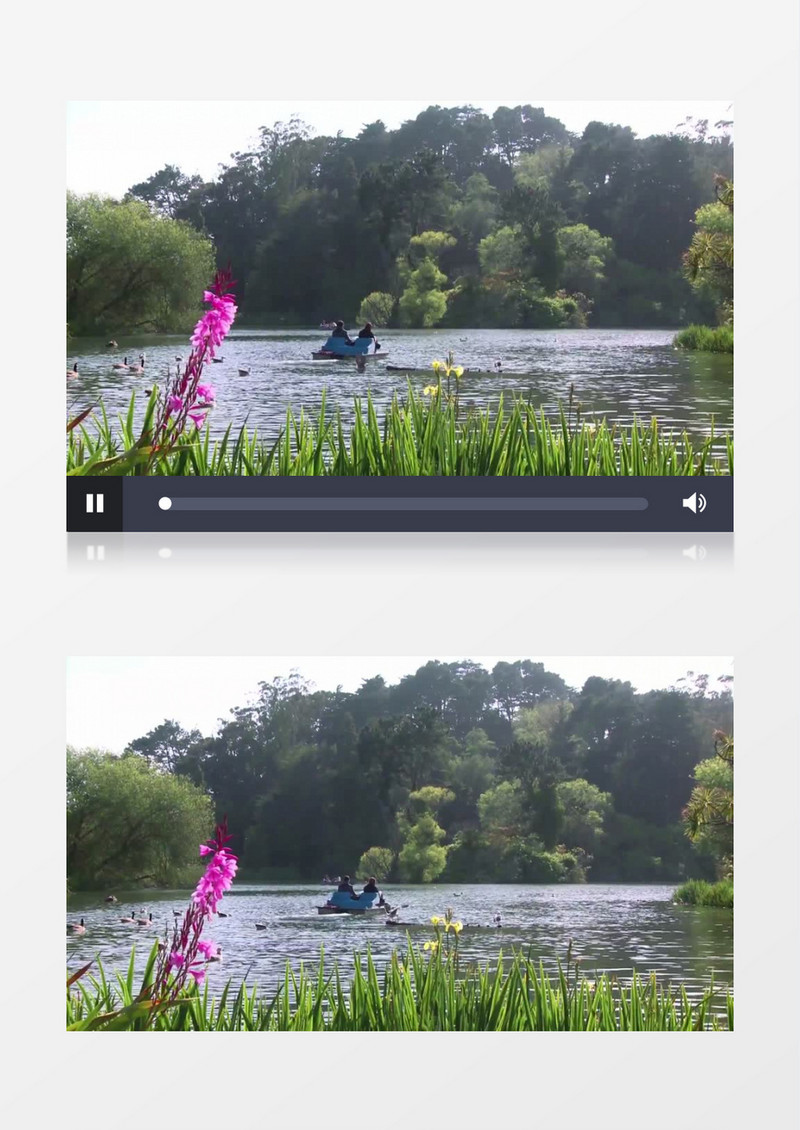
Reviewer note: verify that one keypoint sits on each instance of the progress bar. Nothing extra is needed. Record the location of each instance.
(299, 502)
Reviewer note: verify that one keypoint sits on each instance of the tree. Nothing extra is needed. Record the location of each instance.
(376, 308)
(585, 808)
(128, 823)
(170, 193)
(708, 264)
(166, 746)
(423, 855)
(708, 817)
(584, 256)
(377, 861)
(130, 269)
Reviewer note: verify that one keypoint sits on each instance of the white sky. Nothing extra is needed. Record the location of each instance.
(112, 145)
(113, 700)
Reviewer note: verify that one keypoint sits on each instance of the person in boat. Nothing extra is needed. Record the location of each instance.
(371, 888)
(340, 331)
(346, 885)
(367, 332)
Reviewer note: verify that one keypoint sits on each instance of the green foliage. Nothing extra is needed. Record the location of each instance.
(416, 437)
(129, 268)
(312, 224)
(699, 893)
(708, 817)
(435, 764)
(377, 861)
(376, 308)
(584, 254)
(128, 823)
(423, 856)
(708, 339)
(708, 263)
(585, 807)
(418, 991)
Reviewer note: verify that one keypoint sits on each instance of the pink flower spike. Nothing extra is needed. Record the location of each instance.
(198, 421)
(198, 974)
(205, 849)
(175, 404)
(206, 392)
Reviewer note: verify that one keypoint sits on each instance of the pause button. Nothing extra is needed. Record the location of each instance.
(94, 504)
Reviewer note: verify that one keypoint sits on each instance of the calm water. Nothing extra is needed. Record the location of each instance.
(618, 374)
(615, 929)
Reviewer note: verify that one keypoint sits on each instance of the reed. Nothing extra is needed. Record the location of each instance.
(416, 991)
(697, 892)
(415, 436)
(707, 339)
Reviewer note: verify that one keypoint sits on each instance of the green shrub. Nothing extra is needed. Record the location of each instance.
(706, 339)
(697, 892)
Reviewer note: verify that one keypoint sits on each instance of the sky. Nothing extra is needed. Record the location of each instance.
(113, 700)
(112, 145)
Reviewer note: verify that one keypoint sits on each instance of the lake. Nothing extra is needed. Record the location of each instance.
(618, 374)
(615, 929)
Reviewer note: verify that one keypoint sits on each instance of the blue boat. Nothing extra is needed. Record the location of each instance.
(336, 348)
(342, 902)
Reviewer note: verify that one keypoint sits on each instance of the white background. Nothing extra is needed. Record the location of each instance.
(410, 595)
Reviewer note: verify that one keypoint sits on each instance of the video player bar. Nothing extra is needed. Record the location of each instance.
(562, 505)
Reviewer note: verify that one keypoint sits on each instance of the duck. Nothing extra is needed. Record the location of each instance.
(261, 925)
(244, 372)
(217, 360)
(218, 956)
(138, 368)
(145, 921)
(111, 345)
(110, 898)
(130, 920)
(222, 914)
(73, 372)
(121, 364)
(177, 913)
(76, 927)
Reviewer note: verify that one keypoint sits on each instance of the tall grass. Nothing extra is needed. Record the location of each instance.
(414, 993)
(708, 339)
(416, 436)
(697, 892)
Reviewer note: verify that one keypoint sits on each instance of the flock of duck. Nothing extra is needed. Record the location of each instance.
(124, 367)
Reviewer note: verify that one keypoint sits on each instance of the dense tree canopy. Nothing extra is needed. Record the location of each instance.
(456, 772)
(129, 823)
(131, 268)
(314, 226)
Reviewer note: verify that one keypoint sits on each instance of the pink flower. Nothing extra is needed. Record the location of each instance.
(175, 403)
(198, 973)
(197, 420)
(207, 949)
(175, 959)
(205, 849)
(206, 392)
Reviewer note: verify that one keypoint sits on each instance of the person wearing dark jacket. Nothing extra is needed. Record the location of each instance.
(371, 887)
(346, 885)
(367, 332)
(340, 331)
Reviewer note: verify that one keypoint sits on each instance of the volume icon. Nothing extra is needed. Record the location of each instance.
(696, 503)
